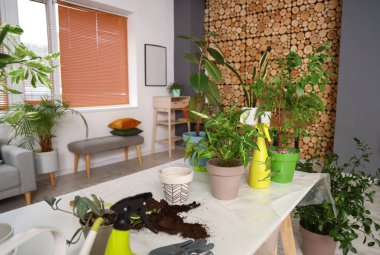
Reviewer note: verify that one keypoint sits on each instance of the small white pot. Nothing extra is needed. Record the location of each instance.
(46, 162)
(176, 183)
(249, 116)
(265, 118)
(6, 232)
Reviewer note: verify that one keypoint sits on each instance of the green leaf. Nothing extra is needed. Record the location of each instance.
(7, 89)
(52, 56)
(213, 70)
(198, 81)
(16, 73)
(191, 58)
(14, 29)
(212, 93)
(91, 205)
(299, 90)
(50, 200)
(216, 55)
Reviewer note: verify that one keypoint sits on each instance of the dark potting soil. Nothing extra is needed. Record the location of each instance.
(165, 218)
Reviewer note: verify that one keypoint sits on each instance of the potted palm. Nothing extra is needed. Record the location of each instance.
(322, 226)
(293, 98)
(228, 145)
(34, 124)
(175, 89)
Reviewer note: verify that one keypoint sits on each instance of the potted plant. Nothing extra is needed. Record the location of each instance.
(293, 98)
(228, 145)
(20, 63)
(34, 124)
(350, 190)
(175, 89)
(87, 211)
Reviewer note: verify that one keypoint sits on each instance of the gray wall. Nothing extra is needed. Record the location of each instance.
(358, 102)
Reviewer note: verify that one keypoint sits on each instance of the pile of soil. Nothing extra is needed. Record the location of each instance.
(165, 218)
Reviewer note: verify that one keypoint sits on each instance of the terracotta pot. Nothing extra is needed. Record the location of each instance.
(225, 181)
(315, 244)
(101, 240)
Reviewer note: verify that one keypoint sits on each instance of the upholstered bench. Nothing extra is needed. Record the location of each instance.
(101, 144)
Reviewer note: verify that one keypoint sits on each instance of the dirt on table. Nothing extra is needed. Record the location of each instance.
(165, 218)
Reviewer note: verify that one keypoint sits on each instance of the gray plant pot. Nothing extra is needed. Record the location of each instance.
(315, 244)
(225, 181)
(46, 162)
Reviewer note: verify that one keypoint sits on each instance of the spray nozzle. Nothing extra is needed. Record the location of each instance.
(132, 205)
(263, 129)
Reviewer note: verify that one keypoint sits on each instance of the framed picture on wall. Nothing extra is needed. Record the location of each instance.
(155, 65)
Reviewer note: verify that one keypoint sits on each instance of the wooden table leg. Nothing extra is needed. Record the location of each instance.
(126, 153)
(170, 132)
(138, 153)
(287, 237)
(88, 158)
(52, 181)
(28, 198)
(76, 161)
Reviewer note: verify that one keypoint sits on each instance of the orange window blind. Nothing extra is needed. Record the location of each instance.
(94, 60)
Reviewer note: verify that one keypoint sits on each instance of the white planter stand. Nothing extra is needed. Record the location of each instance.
(46, 162)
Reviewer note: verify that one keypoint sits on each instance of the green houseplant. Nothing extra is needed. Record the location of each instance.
(34, 124)
(20, 63)
(175, 89)
(292, 97)
(350, 189)
(227, 145)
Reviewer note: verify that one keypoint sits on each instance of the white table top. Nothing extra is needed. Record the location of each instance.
(239, 226)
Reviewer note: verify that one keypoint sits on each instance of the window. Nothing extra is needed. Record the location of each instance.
(3, 96)
(93, 46)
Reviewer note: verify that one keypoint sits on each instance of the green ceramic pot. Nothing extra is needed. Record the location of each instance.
(283, 165)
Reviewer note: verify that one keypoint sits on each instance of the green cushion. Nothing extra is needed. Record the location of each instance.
(126, 132)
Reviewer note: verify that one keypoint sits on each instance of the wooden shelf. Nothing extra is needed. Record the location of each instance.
(173, 122)
(166, 140)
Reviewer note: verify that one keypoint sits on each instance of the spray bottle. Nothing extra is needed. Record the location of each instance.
(118, 242)
(259, 174)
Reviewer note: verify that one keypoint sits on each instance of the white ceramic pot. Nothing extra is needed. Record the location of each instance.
(46, 162)
(176, 183)
(265, 118)
(6, 232)
(249, 116)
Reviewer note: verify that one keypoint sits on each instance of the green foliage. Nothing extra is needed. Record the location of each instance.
(85, 209)
(286, 97)
(204, 80)
(227, 140)
(175, 85)
(33, 124)
(350, 189)
(20, 63)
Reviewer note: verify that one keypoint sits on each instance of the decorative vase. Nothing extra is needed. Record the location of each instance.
(176, 92)
(249, 116)
(315, 244)
(283, 165)
(176, 182)
(225, 181)
(195, 139)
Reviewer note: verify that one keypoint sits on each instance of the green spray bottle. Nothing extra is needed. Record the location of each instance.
(118, 242)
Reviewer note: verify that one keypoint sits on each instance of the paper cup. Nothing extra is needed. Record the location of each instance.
(175, 182)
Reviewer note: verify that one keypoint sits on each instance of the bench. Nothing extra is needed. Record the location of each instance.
(102, 144)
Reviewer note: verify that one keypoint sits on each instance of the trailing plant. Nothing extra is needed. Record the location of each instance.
(205, 79)
(86, 210)
(33, 124)
(350, 189)
(20, 63)
(174, 86)
(228, 140)
(293, 95)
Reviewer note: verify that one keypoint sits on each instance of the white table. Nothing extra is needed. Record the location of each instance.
(239, 226)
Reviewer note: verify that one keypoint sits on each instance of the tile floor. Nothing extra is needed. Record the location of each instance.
(70, 182)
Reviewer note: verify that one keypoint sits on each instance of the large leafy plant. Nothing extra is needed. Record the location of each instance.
(20, 63)
(293, 95)
(33, 124)
(205, 79)
(350, 189)
(228, 141)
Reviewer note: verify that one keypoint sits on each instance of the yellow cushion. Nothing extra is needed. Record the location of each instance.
(123, 124)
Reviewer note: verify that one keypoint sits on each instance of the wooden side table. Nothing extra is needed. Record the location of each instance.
(168, 105)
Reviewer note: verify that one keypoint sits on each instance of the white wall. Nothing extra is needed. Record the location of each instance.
(149, 21)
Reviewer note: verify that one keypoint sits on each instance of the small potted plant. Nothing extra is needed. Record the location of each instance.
(87, 211)
(34, 124)
(228, 145)
(293, 98)
(323, 225)
(175, 89)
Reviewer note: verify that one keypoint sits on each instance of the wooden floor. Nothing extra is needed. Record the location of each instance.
(70, 182)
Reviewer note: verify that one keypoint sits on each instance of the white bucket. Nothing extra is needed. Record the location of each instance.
(175, 182)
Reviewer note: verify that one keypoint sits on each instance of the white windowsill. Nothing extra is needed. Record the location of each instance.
(105, 108)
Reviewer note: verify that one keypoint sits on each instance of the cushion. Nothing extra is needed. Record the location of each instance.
(125, 123)
(126, 132)
(9, 177)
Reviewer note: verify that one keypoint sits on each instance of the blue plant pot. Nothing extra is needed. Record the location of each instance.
(195, 139)
(176, 92)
